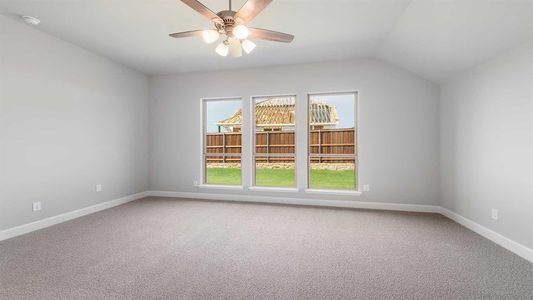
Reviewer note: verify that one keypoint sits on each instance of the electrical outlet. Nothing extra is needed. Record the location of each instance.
(495, 214)
(366, 187)
(195, 183)
(36, 206)
(99, 187)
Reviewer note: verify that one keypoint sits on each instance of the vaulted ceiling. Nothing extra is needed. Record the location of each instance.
(433, 38)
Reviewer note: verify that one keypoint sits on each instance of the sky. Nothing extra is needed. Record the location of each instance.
(219, 110)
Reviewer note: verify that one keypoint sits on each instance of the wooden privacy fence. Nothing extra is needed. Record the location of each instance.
(330, 142)
(271, 144)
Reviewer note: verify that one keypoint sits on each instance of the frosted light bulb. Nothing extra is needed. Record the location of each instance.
(248, 46)
(222, 49)
(241, 32)
(210, 36)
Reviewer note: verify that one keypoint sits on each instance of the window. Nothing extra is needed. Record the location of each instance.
(274, 120)
(332, 151)
(222, 141)
(332, 160)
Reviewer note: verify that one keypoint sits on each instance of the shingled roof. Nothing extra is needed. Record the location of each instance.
(279, 111)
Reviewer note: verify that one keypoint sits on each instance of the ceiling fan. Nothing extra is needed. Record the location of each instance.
(232, 25)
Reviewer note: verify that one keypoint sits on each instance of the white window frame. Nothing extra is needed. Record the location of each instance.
(253, 186)
(355, 156)
(203, 143)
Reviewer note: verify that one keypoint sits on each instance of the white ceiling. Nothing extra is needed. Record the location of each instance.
(433, 38)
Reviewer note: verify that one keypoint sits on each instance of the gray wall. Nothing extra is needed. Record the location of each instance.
(68, 120)
(487, 144)
(399, 125)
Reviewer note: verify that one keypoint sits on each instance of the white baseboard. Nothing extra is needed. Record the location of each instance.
(40, 224)
(497, 238)
(300, 201)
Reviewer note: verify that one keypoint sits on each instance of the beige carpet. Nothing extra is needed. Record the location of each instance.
(159, 248)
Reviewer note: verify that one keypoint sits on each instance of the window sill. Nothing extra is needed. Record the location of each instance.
(273, 189)
(221, 187)
(333, 192)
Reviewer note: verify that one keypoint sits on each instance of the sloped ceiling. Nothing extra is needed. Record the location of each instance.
(433, 38)
(438, 38)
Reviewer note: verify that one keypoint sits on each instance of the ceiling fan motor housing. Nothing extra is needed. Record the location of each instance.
(229, 21)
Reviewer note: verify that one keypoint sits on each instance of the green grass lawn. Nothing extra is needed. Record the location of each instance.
(320, 179)
(231, 176)
(332, 179)
(275, 177)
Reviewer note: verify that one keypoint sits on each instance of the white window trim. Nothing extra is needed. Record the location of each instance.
(203, 132)
(221, 187)
(249, 183)
(273, 189)
(333, 192)
(253, 186)
(310, 190)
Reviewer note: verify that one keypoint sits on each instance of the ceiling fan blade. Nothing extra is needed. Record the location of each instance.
(186, 34)
(250, 9)
(203, 10)
(265, 34)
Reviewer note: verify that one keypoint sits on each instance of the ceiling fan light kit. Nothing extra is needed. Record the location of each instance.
(240, 32)
(248, 46)
(232, 26)
(210, 36)
(222, 49)
(235, 48)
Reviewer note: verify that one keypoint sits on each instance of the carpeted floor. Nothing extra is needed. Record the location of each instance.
(159, 248)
